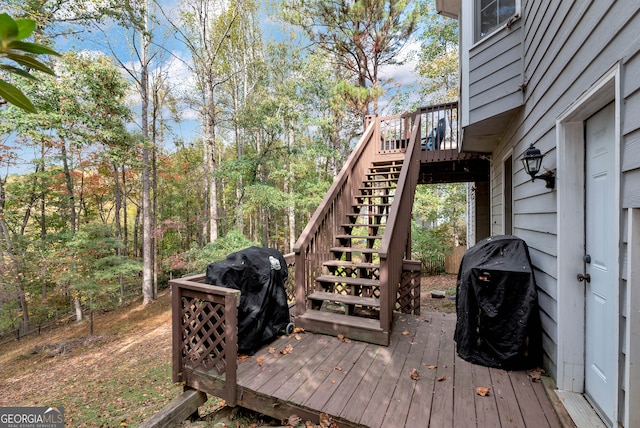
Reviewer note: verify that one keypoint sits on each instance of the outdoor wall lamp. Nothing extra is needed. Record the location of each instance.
(532, 161)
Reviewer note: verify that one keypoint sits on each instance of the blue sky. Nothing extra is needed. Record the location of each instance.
(172, 58)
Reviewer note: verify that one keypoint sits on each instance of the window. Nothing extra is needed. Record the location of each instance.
(493, 13)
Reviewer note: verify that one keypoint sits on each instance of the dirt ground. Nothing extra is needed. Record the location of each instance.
(443, 283)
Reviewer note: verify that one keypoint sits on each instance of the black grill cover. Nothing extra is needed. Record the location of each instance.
(260, 275)
(498, 322)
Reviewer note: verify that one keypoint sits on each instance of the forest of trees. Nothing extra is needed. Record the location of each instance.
(104, 196)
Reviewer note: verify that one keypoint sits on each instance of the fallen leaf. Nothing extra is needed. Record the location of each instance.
(535, 374)
(338, 368)
(341, 338)
(431, 367)
(298, 330)
(287, 349)
(414, 374)
(441, 378)
(298, 337)
(405, 332)
(292, 421)
(325, 421)
(272, 350)
(260, 359)
(482, 391)
(333, 381)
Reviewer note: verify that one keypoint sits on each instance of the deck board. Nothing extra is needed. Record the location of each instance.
(361, 397)
(398, 409)
(442, 406)
(379, 402)
(361, 384)
(420, 407)
(486, 407)
(508, 408)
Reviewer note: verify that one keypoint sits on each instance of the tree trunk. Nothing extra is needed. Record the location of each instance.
(4, 232)
(78, 307)
(154, 182)
(119, 250)
(71, 205)
(291, 209)
(147, 261)
(211, 162)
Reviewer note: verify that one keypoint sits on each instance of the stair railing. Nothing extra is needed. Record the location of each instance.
(396, 244)
(313, 247)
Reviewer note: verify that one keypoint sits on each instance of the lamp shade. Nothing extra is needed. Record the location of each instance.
(532, 161)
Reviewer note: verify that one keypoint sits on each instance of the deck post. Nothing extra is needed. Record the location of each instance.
(176, 329)
(231, 303)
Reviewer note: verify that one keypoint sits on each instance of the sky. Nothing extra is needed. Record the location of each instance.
(173, 58)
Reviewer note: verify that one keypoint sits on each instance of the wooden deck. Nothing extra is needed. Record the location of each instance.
(361, 384)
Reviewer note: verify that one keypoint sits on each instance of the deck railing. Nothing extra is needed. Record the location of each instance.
(313, 247)
(429, 133)
(396, 241)
(205, 333)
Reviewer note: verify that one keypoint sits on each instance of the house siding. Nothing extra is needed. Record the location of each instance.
(495, 76)
(561, 63)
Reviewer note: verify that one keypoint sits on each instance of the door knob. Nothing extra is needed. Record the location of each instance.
(584, 277)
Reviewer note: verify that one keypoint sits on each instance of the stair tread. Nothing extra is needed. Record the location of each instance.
(358, 236)
(354, 250)
(371, 205)
(345, 298)
(354, 265)
(341, 320)
(367, 214)
(362, 225)
(376, 187)
(365, 282)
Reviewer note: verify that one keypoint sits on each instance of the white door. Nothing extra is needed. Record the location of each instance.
(601, 260)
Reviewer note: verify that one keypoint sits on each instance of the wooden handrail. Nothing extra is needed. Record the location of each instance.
(333, 191)
(313, 246)
(395, 240)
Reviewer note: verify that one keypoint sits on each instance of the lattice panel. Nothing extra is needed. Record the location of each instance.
(290, 284)
(203, 334)
(408, 299)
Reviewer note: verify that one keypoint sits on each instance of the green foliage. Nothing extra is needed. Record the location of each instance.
(438, 221)
(14, 49)
(438, 58)
(91, 263)
(359, 37)
(197, 259)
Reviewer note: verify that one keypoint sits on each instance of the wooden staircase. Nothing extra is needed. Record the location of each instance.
(352, 260)
(346, 299)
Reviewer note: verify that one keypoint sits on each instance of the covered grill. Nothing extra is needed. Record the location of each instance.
(260, 274)
(498, 321)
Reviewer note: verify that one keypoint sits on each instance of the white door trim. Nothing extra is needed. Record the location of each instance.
(570, 185)
(503, 188)
(632, 371)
